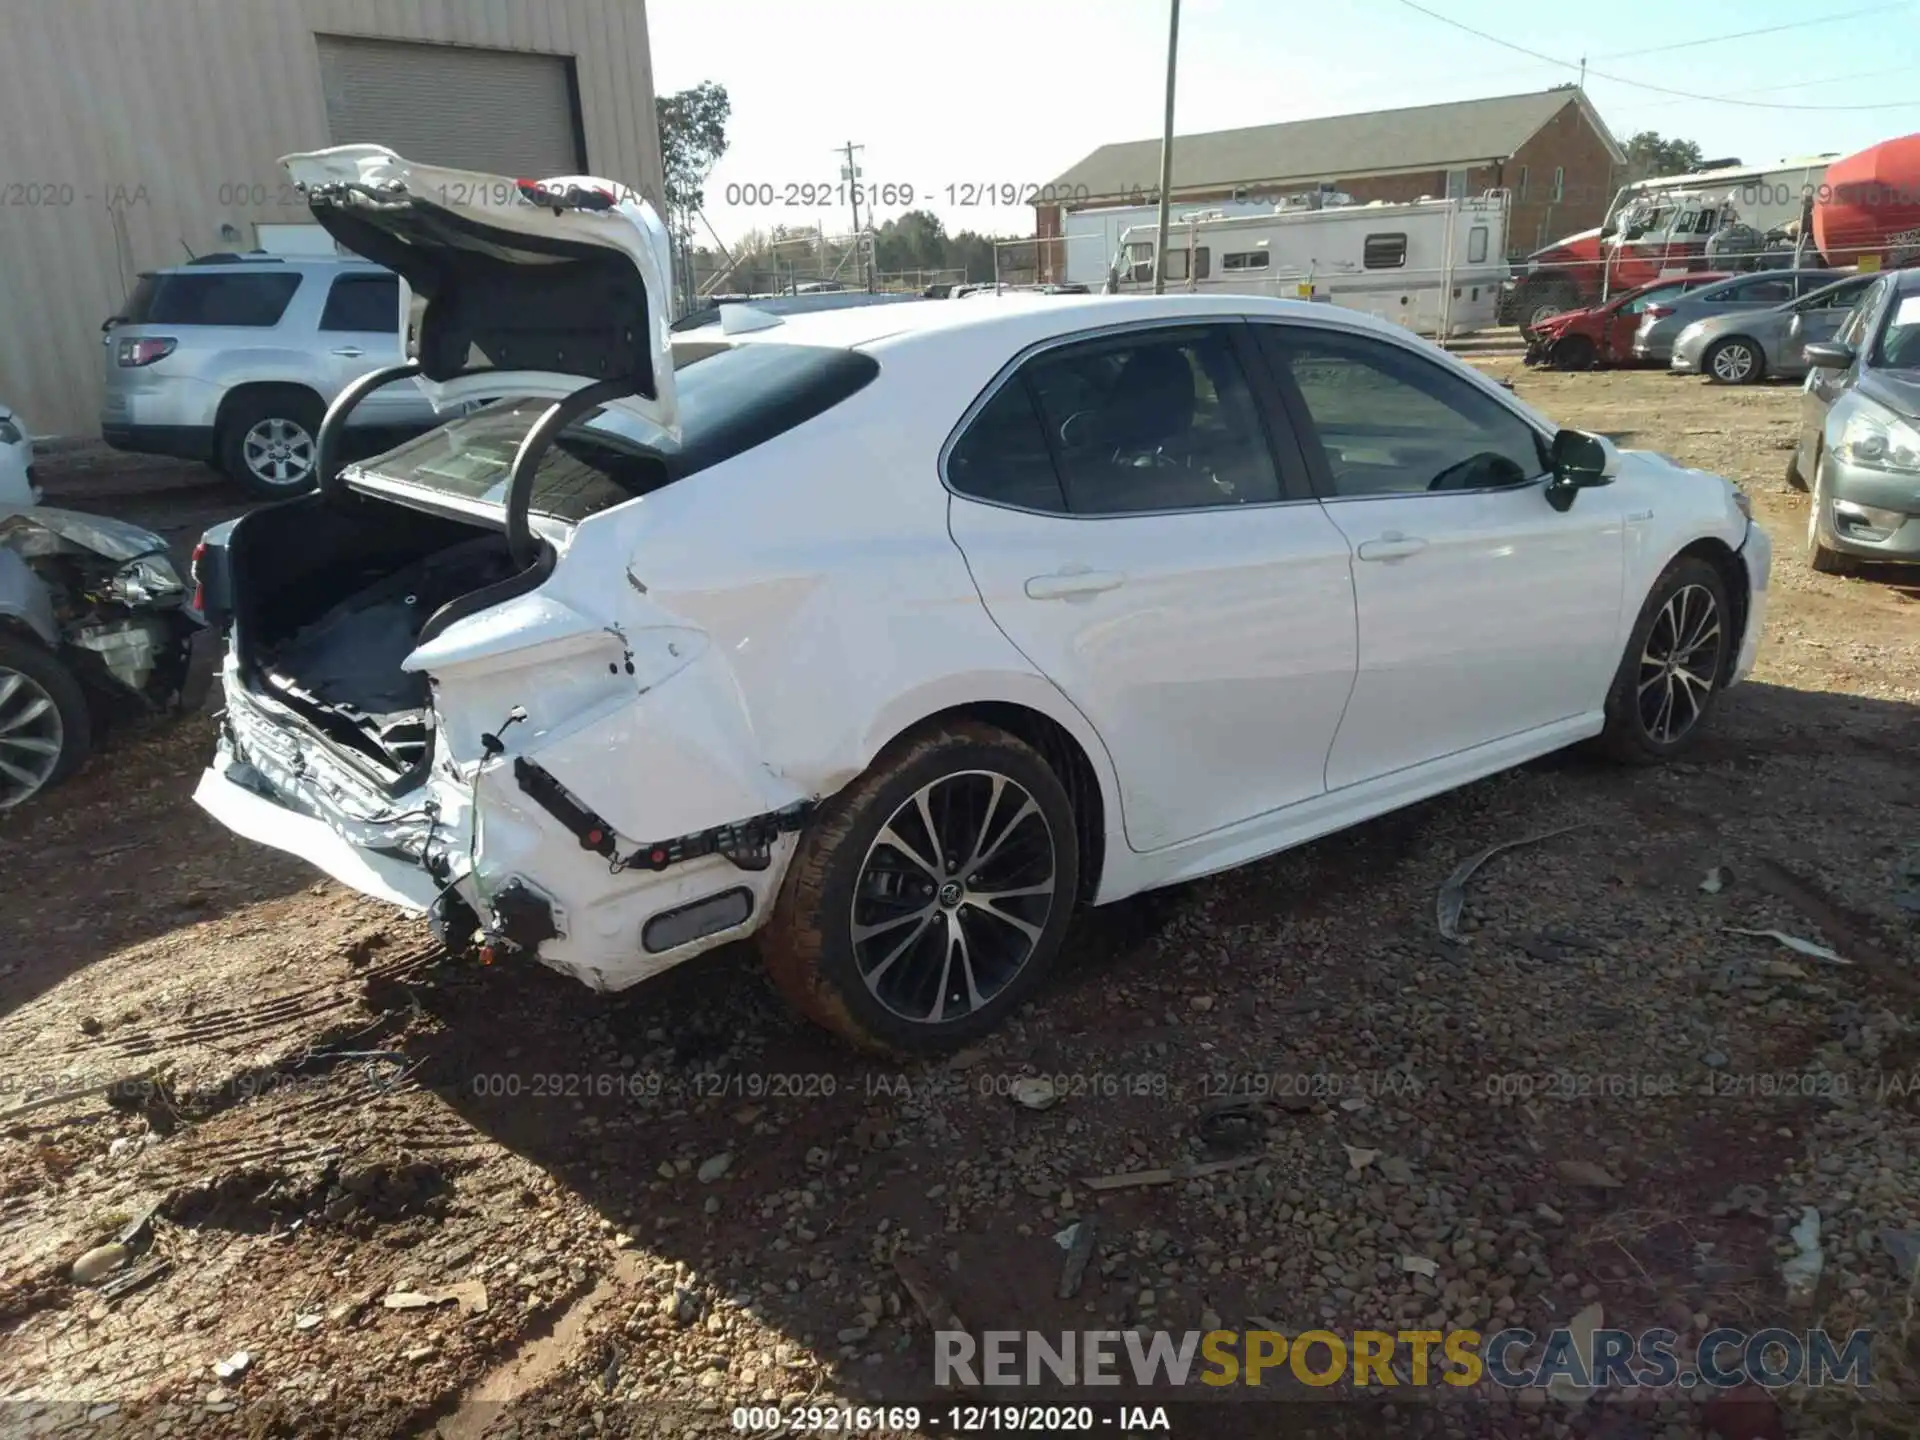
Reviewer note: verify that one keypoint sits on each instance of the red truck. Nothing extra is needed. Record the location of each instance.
(1860, 210)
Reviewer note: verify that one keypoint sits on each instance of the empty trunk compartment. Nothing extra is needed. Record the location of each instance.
(332, 598)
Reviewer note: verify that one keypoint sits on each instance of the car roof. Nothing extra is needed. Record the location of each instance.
(886, 325)
(1693, 279)
(1809, 270)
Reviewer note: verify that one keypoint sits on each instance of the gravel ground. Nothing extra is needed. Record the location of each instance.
(423, 1196)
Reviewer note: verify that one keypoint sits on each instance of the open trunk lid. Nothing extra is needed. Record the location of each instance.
(522, 287)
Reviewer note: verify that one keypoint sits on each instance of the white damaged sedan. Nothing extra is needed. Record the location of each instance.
(891, 635)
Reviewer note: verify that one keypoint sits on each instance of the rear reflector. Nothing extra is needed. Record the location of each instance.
(673, 928)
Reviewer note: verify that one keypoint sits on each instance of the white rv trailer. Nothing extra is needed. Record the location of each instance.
(1089, 238)
(1433, 266)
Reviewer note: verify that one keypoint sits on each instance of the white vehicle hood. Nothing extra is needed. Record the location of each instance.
(559, 282)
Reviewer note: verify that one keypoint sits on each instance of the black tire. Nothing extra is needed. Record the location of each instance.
(1537, 300)
(1820, 559)
(297, 413)
(1576, 352)
(809, 944)
(1742, 361)
(28, 659)
(1634, 734)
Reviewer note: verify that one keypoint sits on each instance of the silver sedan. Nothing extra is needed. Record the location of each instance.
(1750, 345)
(1660, 325)
(1859, 449)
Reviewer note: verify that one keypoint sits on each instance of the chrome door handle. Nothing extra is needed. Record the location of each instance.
(350, 352)
(1070, 584)
(1391, 546)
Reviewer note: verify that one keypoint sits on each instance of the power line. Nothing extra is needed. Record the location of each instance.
(1794, 85)
(1749, 34)
(1641, 84)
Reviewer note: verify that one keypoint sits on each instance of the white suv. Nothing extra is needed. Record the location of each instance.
(233, 359)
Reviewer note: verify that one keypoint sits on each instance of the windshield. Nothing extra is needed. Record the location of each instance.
(1899, 347)
(728, 402)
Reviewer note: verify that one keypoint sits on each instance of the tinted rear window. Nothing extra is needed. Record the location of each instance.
(140, 303)
(363, 302)
(245, 299)
(728, 403)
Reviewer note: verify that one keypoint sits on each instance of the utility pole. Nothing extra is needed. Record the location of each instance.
(1166, 157)
(850, 172)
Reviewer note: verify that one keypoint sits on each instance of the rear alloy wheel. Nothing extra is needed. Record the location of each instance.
(1675, 661)
(270, 444)
(932, 894)
(44, 727)
(1819, 558)
(1735, 361)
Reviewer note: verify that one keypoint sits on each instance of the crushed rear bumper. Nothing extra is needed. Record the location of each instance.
(487, 843)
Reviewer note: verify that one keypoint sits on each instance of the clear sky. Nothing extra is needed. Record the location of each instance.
(1012, 92)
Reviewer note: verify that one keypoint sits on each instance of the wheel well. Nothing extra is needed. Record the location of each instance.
(14, 628)
(1067, 759)
(1733, 572)
(257, 390)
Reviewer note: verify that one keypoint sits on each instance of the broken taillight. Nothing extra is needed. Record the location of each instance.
(199, 583)
(144, 351)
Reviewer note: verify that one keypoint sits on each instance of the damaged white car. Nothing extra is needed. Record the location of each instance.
(94, 623)
(891, 635)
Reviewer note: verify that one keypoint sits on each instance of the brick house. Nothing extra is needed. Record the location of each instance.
(1549, 148)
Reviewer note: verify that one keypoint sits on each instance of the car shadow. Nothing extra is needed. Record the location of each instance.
(118, 854)
(840, 1168)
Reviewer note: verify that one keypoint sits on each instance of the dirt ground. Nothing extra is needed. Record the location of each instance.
(484, 1201)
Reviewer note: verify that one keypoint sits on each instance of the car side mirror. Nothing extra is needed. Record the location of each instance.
(1580, 462)
(1829, 355)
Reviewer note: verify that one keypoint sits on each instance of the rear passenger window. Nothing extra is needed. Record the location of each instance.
(1003, 455)
(248, 300)
(1754, 292)
(1161, 420)
(363, 302)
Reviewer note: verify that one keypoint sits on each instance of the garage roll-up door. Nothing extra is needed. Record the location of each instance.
(500, 111)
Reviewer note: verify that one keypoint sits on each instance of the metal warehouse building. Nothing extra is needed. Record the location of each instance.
(138, 133)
